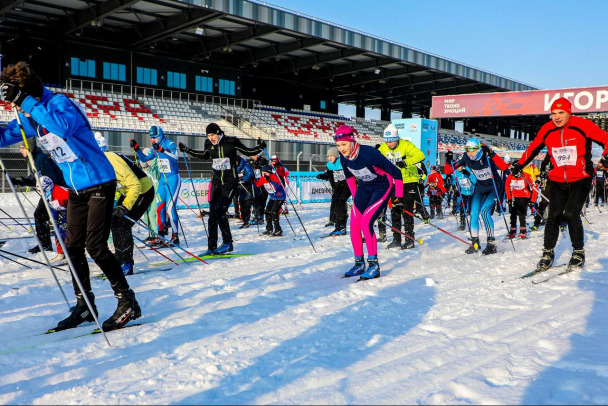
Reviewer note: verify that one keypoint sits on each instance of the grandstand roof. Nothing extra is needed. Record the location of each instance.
(261, 39)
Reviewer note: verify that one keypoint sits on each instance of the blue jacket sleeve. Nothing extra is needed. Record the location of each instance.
(59, 116)
(11, 133)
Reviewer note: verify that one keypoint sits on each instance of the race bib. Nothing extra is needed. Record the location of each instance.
(600, 175)
(518, 184)
(465, 183)
(482, 174)
(339, 176)
(364, 175)
(60, 151)
(269, 188)
(564, 156)
(221, 164)
(164, 165)
(257, 173)
(394, 157)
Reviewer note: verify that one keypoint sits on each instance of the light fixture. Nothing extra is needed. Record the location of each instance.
(255, 64)
(199, 31)
(19, 7)
(377, 71)
(316, 67)
(175, 37)
(382, 81)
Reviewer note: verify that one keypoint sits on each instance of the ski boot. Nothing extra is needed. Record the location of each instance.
(382, 237)
(267, 232)
(224, 248)
(329, 224)
(577, 260)
(127, 268)
(534, 227)
(58, 258)
(546, 261)
(523, 233)
(474, 247)
(490, 247)
(511, 234)
(356, 270)
(338, 231)
(245, 225)
(462, 226)
(175, 239)
(373, 269)
(408, 245)
(208, 252)
(80, 314)
(395, 244)
(128, 309)
(277, 233)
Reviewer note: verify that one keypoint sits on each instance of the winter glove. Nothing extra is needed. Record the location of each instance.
(401, 164)
(398, 202)
(157, 147)
(120, 211)
(133, 144)
(182, 147)
(466, 173)
(449, 157)
(516, 168)
(13, 93)
(320, 176)
(488, 151)
(261, 144)
(17, 181)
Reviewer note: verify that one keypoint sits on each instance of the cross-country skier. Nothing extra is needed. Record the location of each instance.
(340, 194)
(376, 178)
(436, 190)
(568, 142)
(276, 198)
(521, 194)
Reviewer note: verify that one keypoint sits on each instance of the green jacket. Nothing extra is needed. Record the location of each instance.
(407, 152)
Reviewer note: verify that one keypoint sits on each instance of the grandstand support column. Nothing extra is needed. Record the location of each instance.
(385, 110)
(407, 111)
(360, 111)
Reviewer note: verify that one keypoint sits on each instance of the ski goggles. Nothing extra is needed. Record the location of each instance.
(471, 149)
(344, 137)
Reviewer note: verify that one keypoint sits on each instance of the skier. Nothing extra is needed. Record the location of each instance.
(62, 129)
(484, 163)
(405, 155)
(165, 152)
(465, 183)
(283, 174)
(45, 166)
(136, 192)
(57, 197)
(520, 195)
(246, 178)
(600, 183)
(260, 194)
(223, 151)
(568, 142)
(436, 191)
(376, 176)
(276, 198)
(340, 191)
(151, 169)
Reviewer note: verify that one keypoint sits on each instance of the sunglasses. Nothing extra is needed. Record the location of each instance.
(471, 149)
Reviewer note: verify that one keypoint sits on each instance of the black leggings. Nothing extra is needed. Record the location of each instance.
(122, 228)
(272, 214)
(221, 198)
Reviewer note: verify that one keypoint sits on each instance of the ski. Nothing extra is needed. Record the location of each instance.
(539, 271)
(567, 271)
(205, 257)
(333, 235)
(98, 331)
(139, 271)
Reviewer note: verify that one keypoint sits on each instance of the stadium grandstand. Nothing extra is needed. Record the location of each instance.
(259, 71)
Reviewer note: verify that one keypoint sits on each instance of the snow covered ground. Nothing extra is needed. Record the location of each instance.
(282, 327)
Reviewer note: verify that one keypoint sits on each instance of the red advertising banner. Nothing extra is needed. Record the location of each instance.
(533, 102)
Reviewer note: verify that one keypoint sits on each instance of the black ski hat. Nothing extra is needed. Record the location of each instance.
(214, 129)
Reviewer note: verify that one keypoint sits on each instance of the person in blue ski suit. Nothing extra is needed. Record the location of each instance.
(246, 177)
(464, 183)
(169, 184)
(484, 163)
(62, 128)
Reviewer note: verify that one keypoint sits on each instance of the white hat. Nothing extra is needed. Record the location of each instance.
(391, 134)
(101, 141)
(506, 158)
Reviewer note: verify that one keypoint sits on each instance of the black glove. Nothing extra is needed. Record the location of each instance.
(516, 168)
(401, 164)
(17, 181)
(320, 176)
(488, 151)
(398, 202)
(466, 173)
(449, 157)
(157, 147)
(133, 144)
(120, 211)
(182, 147)
(261, 144)
(13, 93)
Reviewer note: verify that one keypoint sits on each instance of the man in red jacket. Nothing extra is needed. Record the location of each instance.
(521, 193)
(568, 142)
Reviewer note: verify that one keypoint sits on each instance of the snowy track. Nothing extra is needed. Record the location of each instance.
(282, 326)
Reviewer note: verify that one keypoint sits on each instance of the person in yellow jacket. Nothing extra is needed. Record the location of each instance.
(532, 170)
(135, 192)
(405, 155)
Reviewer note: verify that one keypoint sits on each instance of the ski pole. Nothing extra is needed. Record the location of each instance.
(154, 249)
(5, 225)
(400, 232)
(195, 194)
(294, 208)
(533, 186)
(172, 202)
(288, 222)
(71, 267)
(191, 209)
(31, 260)
(476, 246)
(164, 239)
(17, 262)
(29, 230)
(498, 198)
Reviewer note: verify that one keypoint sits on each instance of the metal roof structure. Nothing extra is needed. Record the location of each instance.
(260, 39)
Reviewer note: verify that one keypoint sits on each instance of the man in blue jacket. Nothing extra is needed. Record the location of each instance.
(62, 129)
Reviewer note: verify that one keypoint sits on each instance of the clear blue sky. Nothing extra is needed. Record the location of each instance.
(546, 44)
